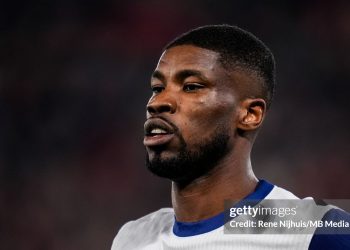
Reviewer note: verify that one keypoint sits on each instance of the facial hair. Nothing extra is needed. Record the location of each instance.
(189, 165)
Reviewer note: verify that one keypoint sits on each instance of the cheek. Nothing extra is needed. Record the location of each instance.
(205, 115)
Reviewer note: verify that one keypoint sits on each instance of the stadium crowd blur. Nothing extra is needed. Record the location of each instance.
(74, 81)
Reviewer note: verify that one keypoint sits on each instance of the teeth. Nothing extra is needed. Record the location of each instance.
(158, 131)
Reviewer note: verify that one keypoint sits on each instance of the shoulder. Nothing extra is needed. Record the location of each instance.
(335, 231)
(146, 228)
(333, 237)
(155, 217)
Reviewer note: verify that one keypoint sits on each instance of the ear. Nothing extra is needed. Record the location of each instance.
(251, 114)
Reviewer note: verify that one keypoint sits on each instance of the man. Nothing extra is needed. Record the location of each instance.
(211, 90)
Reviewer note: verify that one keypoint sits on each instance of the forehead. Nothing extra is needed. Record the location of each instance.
(188, 57)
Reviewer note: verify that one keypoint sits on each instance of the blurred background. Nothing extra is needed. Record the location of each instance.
(74, 81)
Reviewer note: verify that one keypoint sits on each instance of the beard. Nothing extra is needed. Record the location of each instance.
(189, 165)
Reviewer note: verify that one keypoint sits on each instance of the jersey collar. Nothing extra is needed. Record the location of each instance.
(186, 229)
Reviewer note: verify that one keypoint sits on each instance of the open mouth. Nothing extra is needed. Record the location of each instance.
(157, 132)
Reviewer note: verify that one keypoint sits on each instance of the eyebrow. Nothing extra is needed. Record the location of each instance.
(159, 75)
(181, 75)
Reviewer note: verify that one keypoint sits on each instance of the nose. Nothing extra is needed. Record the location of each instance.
(162, 103)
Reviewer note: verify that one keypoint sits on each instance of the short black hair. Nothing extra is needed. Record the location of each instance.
(236, 47)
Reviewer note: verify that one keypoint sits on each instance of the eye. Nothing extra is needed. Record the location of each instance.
(157, 89)
(191, 87)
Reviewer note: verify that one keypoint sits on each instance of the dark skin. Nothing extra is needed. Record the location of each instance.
(195, 92)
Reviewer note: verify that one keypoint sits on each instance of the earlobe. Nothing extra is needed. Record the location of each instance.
(251, 114)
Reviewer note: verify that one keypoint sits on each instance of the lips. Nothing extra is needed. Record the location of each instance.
(157, 132)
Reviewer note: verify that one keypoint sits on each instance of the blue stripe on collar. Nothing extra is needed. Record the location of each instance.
(185, 229)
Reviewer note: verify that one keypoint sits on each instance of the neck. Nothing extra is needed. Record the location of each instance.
(203, 198)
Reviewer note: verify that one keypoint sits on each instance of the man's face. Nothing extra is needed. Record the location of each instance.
(191, 115)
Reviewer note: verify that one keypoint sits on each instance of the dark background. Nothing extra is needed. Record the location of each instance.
(74, 81)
